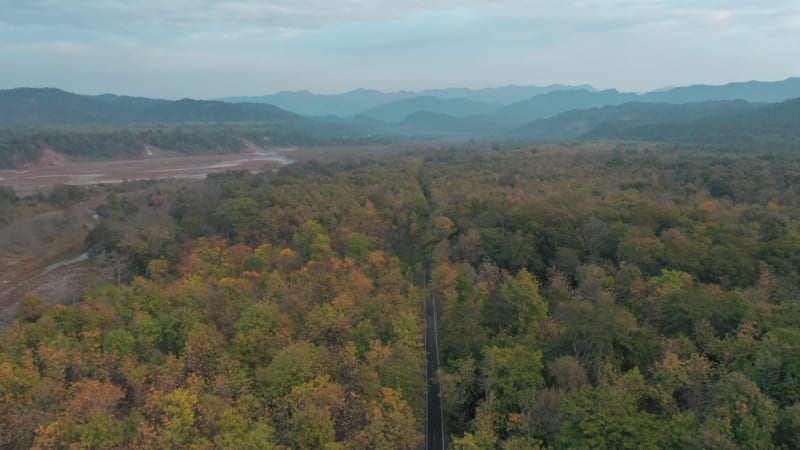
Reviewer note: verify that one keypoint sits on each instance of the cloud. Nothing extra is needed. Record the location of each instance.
(109, 14)
(184, 47)
(189, 13)
(190, 20)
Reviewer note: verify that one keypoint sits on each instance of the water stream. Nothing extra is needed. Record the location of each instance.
(276, 156)
(80, 258)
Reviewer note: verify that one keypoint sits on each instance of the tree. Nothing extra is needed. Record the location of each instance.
(484, 435)
(293, 365)
(593, 330)
(788, 431)
(390, 423)
(312, 411)
(313, 240)
(461, 390)
(173, 420)
(726, 311)
(513, 374)
(567, 373)
(522, 292)
(608, 416)
(739, 413)
(775, 365)
(238, 217)
(87, 420)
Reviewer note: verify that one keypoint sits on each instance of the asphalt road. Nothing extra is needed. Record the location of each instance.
(434, 424)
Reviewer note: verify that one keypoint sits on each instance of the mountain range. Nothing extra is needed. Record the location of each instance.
(512, 105)
(553, 113)
(360, 100)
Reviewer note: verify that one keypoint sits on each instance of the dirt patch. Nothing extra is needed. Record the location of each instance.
(39, 238)
(51, 157)
(35, 179)
(63, 286)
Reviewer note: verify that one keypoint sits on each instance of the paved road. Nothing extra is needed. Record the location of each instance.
(434, 426)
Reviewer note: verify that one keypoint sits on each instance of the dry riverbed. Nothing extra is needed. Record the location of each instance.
(30, 180)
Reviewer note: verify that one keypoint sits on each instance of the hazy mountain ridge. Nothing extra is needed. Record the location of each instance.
(703, 122)
(751, 91)
(560, 114)
(310, 104)
(457, 107)
(49, 106)
(773, 123)
(452, 118)
(521, 104)
(355, 102)
(429, 123)
(553, 103)
(574, 124)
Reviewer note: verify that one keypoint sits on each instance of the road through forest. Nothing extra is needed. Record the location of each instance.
(434, 424)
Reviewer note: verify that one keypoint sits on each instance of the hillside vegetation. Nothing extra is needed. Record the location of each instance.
(777, 124)
(584, 123)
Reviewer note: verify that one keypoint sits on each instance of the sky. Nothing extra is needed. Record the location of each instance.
(212, 49)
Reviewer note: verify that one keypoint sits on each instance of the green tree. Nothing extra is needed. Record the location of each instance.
(608, 416)
(740, 414)
(522, 292)
(513, 374)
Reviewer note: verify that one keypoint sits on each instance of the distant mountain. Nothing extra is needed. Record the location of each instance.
(557, 102)
(522, 104)
(37, 106)
(188, 110)
(430, 124)
(132, 102)
(776, 123)
(502, 95)
(457, 107)
(576, 123)
(750, 91)
(555, 114)
(33, 106)
(354, 102)
(309, 104)
(578, 111)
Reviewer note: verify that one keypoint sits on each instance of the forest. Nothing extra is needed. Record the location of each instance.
(591, 295)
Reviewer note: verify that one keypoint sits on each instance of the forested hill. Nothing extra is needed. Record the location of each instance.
(633, 120)
(20, 146)
(111, 127)
(33, 106)
(751, 91)
(779, 123)
(576, 123)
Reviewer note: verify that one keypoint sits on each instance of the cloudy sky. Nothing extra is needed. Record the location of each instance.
(210, 48)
